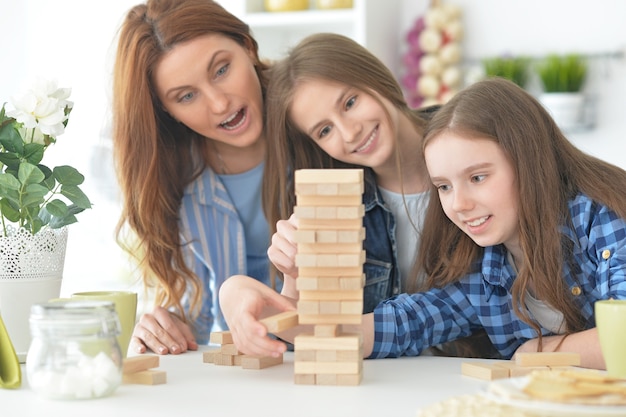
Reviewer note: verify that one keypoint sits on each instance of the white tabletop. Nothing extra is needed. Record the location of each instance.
(398, 387)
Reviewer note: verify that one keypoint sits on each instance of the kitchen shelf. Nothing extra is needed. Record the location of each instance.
(373, 24)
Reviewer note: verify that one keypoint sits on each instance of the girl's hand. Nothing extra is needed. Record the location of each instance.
(244, 301)
(282, 252)
(163, 333)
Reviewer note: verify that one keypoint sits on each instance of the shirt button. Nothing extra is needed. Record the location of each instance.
(576, 291)
(606, 254)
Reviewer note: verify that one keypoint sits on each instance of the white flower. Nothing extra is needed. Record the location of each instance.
(42, 107)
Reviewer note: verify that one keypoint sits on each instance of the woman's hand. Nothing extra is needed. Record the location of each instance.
(244, 301)
(163, 333)
(283, 250)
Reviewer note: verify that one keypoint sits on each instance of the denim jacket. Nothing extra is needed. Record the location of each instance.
(382, 276)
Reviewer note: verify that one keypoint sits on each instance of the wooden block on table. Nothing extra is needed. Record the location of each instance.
(547, 359)
(223, 359)
(516, 370)
(148, 377)
(328, 367)
(139, 363)
(221, 338)
(255, 362)
(281, 321)
(230, 349)
(304, 379)
(483, 371)
(209, 355)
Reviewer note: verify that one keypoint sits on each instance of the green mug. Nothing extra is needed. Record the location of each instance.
(126, 308)
(611, 325)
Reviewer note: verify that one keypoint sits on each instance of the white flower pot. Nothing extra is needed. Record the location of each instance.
(31, 271)
(567, 109)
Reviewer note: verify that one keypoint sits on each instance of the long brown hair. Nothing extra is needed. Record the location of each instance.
(549, 172)
(321, 56)
(153, 152)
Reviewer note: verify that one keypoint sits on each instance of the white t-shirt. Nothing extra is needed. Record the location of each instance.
(407, 237)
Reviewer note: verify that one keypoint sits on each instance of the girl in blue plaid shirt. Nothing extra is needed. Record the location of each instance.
(523, 234)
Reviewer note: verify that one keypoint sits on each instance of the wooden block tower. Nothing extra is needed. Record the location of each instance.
(330, 261)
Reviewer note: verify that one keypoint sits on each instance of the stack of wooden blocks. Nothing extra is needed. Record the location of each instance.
(330, 259)
(524, 364)
(227, 354)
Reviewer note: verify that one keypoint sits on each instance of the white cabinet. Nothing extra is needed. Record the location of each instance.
(372, 23)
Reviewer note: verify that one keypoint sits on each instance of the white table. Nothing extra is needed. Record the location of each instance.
(397, 387)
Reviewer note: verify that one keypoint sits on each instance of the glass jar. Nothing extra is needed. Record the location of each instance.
(74, 353)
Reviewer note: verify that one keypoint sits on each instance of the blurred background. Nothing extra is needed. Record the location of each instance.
(73, 41)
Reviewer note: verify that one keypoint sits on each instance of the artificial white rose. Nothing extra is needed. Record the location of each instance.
(43, 107)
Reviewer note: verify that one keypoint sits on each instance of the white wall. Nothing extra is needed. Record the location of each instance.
(71, 40)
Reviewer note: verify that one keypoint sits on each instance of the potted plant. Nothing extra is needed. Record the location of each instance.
(37, 204)
(512, 68)
(563, 78)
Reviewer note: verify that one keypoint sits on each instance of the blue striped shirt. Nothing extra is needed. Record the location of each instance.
(408, 324)
(214, 243)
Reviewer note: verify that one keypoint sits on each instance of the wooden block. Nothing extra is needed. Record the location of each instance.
(330, 224)
(331, 295)
(483, 371)
(230, 349)
(330, 307)
(209, 355)
(350, 189)
(301, 355)
(139, 363)
(330, 247)
(334, 272)
(327, 175)
(223, 359)
(346, 341)
(515, 370)
(350, 283)
(329, 318)
(327, 330)
(547, 359)
(304, 379)
(325, 260)
(349, 379)
(221, 338)
(325, 379)
(351, 212)
(281, 321)
(327, 367)
(308, 308)
(323, 200)
(351, 307)
(148, 377)
(255, 362)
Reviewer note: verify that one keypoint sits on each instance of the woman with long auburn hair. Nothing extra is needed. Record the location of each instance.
(189, 148)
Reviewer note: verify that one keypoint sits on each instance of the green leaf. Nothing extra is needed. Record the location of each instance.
(8, 181)
(67, 175)
(8, 211)
(33, 152)
(11, 139)
(11, 160)
(76, 196)
(30, 174)
(57, 208)
(34, 194)
(58, 222)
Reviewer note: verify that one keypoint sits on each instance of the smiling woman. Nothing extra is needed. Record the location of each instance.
(189, 148)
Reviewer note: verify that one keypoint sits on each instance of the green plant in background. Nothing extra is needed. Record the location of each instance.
(512, 68)
(562, 73)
